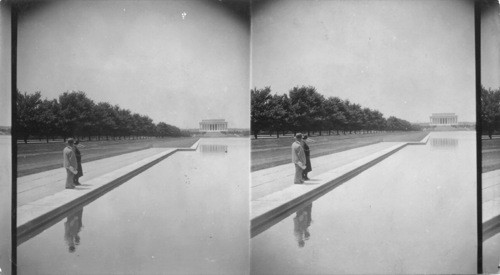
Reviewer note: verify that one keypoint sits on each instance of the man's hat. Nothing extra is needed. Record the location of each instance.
(299, 135)
(70, 141)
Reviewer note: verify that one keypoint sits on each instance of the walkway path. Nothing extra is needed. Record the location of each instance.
(268, 181)
(36, 186)
(491, 194)
(491, 202)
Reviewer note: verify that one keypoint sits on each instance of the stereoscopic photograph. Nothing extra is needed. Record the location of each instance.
(250, 137)
(132, 137)
(363, 137)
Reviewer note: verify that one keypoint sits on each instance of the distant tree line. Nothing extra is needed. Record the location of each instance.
(490, 110)
(306, 110)
(73, 114)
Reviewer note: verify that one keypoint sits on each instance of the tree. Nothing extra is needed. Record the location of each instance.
(125, 122)
(490, 110)
(307, 105)
(355, 117)
(76, 114)
(345, 108)
(334, 118)
(105, 120)
(367, 120)
(260, 113)
(136, 128)
(27, 111)
(379, 122)
(305, 109)
(148, 128)
(164, 130)
(48, 118)
(396, 124)
(279, 110)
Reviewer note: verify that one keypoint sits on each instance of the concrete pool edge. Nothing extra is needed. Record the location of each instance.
(48, 210)
(491, 227)
(268, 210)
(490, 203)
(422, 142)
(193, 147)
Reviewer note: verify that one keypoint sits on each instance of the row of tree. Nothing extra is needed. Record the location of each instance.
(490, 110)
(73, 114)
(305, 110)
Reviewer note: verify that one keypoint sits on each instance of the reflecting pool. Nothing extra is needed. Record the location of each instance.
(491, 252)
(414, 212)
(187, 214)
(5, 204)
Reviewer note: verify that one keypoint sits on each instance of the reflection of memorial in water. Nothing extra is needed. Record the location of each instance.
(444, 143)
(212, 148)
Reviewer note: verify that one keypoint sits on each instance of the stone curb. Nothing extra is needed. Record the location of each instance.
(490, 191)
(194, 147)
(491, 227)
(44, 212)
(425, 139)
(280, 210)
(422, 142)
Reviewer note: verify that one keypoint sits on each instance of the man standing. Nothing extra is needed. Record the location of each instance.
(78, 155)
(308, 158)
(298, 158)
(69, 162)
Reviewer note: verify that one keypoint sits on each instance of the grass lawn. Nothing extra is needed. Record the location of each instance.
(491, 154)
(38, 157)
(270, 152)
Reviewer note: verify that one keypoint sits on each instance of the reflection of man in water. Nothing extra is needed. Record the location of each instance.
(301, 223)
(72, 227)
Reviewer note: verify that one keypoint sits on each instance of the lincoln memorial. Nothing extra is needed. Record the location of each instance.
(213, 125)
(440, 119)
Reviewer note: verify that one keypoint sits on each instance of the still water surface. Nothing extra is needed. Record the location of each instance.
(414, 212)
(187, 214)
(5, 204)
(491, 254)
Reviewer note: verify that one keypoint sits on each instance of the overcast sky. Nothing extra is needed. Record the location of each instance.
(490, 46)
(405, 58)
(176, 61)
(5, 63)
